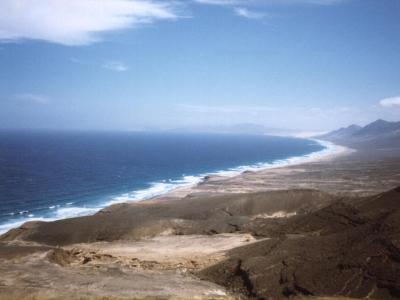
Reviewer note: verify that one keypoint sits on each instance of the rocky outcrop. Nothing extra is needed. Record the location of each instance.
(349, 248)
(191, 215)
(309, 243)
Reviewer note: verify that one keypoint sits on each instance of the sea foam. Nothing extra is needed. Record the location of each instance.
(57, 212)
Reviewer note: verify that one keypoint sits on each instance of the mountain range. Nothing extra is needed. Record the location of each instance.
(378, 133)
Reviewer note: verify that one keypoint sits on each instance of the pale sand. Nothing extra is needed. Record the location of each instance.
(243, 182)
(161, 266)
(33, 277)
(174, 252)
(345, 172)
(157, 267)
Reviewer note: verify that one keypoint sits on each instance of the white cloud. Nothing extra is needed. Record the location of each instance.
(265, 2)
(219, 2)
(246, 13)
(35, 98)
(117, 66)
(81, 22)
(242, 9)
(390, 102)
(76, 22)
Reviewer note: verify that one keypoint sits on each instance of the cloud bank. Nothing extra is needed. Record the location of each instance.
(76, 22)
(390, 102)
(82, 22)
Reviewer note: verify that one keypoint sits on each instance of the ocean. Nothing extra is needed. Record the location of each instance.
(49, 175)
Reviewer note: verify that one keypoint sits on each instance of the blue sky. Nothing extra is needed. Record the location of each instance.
(125, 64)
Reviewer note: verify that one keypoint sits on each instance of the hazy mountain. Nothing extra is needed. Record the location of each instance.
(242, 128)
(341, 133)
(379, 133)
(379, 128)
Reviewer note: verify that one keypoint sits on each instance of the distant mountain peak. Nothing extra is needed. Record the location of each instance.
(379, 127)
(379, 122)
(379, 132)
(354, 126)
(341, 133)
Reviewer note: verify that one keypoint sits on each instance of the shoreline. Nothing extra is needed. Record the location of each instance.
(331, 152)
(184, 185)
(200, 244)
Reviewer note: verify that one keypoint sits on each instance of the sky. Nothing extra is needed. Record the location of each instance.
(128, 65)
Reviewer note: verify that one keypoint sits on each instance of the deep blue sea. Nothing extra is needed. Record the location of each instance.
(50, 175)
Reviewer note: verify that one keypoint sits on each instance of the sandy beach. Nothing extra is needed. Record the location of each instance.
(199, 150)
(204, 241)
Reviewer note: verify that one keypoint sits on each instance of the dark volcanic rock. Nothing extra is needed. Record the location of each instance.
(331, 246)
(341, 249)
(191, 215)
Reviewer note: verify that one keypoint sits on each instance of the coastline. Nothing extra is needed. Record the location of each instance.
(197, 242)
(184, 185)
(188, 183)
(331, 152)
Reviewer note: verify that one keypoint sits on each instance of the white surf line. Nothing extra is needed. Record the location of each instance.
(156, 189)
